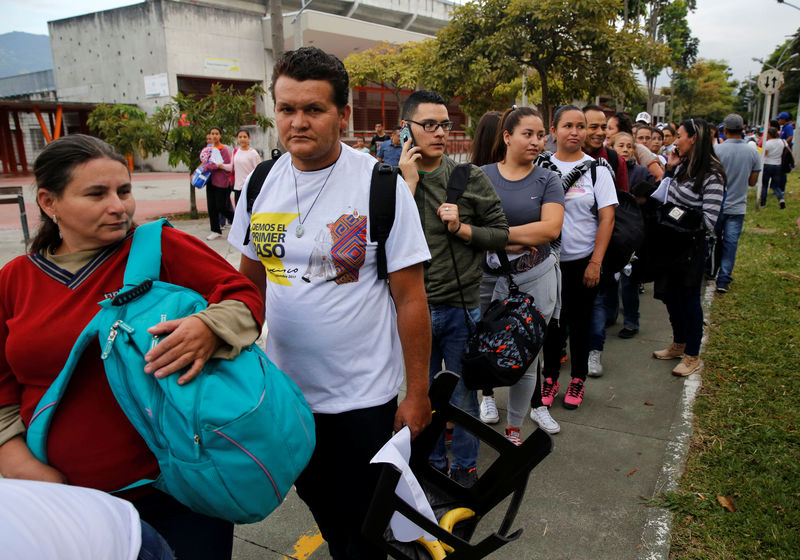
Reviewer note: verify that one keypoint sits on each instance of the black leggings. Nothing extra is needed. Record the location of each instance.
(217, 205)
(577, 302)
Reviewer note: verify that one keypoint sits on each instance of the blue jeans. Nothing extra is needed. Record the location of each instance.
(450, 332)
(630, 303)
(728, 230)
(777, 178)
(605, 310)
(154, 547)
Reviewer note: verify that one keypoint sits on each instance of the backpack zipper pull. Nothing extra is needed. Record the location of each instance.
(112, 335)
(156, 338)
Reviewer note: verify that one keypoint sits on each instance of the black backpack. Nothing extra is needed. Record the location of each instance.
(382, 201)
(787, 159)
(504, 343)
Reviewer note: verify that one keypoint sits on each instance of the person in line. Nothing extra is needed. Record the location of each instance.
(638, 177)
(379, 138)
(360, 145)
(585, 237)
(742, 166)
(245, 159)
(533, 202)
(668, 132)
(606, 305)
(656, 143)
(390, 150)
(695, 184)
(773, 176)
(345, 337)
(78, 258)
(595, 145)
(620, 122)
(218, 184)
(475, 223)
(787, 130)
(483, 140)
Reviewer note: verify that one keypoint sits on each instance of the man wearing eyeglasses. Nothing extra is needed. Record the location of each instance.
(470, 226)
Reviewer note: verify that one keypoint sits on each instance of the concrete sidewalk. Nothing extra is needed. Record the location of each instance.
(587, 500)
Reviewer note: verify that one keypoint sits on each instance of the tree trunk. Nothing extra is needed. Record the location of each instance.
(193, 201)
(671, 95)
(276, 26)
(545, 100)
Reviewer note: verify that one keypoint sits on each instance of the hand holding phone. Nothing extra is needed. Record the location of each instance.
(405, 134)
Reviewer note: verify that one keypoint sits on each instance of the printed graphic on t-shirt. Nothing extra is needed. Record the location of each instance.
(577, 190)
(268, 232)
(338, 253)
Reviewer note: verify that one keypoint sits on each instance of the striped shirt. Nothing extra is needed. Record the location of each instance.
(709, 199)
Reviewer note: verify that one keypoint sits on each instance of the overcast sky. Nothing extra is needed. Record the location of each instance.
(732, 30)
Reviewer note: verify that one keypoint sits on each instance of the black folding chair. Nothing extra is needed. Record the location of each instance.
(507, 475)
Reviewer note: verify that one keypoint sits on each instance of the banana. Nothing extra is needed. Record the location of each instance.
(434, 548)
(449, 520)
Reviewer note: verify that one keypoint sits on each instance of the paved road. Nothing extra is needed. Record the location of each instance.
(587, 500)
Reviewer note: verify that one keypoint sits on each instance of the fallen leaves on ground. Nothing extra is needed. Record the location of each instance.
(726, 502)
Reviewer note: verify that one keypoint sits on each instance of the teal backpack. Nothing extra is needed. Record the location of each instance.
(229, 444)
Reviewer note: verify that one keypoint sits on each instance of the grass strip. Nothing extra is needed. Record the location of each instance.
(745, 450)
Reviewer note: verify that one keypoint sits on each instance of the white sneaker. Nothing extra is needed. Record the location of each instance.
(595, 367)
(489, 411)
(541, 416)
(213, 235)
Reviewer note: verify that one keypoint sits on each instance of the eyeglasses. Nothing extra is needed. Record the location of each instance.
(433, 126)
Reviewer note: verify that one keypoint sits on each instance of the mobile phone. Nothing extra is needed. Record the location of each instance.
(405, 134)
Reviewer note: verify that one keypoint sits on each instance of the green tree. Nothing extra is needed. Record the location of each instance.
(665, 23)
(179, 127)
(186, 120)
(571, 50)
(127, 129)
(706, 90)
(393, 67)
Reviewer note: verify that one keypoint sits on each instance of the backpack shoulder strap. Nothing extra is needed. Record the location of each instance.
(144, 260)
(613, 161)
(457, 183)
(36, 436)
(254, 185)
(382, 203)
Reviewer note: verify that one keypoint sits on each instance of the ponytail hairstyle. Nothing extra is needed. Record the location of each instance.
(700, 161)
(483, 139)
(53, 172)
(508, 122)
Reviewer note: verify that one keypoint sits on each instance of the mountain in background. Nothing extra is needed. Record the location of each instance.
(21, 53)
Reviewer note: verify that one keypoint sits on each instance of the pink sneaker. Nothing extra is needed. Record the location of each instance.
(512, 435)
(549, 391)
(574, 396)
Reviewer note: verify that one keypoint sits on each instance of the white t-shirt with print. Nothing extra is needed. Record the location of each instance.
(580, 223)
(332, 323)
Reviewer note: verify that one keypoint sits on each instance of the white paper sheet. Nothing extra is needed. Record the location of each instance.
(397, 452)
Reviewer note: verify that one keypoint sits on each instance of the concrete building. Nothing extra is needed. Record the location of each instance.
(148, 52)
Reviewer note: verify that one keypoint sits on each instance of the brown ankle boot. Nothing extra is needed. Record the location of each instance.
(688, 366)
(672, 352)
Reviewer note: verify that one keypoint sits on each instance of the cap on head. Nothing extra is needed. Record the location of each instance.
(644, 117)
(733, 122)
(784, 115)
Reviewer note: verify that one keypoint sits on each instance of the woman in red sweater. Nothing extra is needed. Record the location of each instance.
(48, 296)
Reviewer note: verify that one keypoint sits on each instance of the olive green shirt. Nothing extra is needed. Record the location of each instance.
(479, 207)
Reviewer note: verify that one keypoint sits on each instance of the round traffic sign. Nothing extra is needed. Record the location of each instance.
(770, 81)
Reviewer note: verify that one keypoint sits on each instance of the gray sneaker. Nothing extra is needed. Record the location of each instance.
(595, 367)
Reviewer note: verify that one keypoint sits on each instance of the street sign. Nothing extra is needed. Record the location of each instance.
(770, 81)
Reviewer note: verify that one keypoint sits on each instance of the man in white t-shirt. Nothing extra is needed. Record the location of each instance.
(344, 336)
